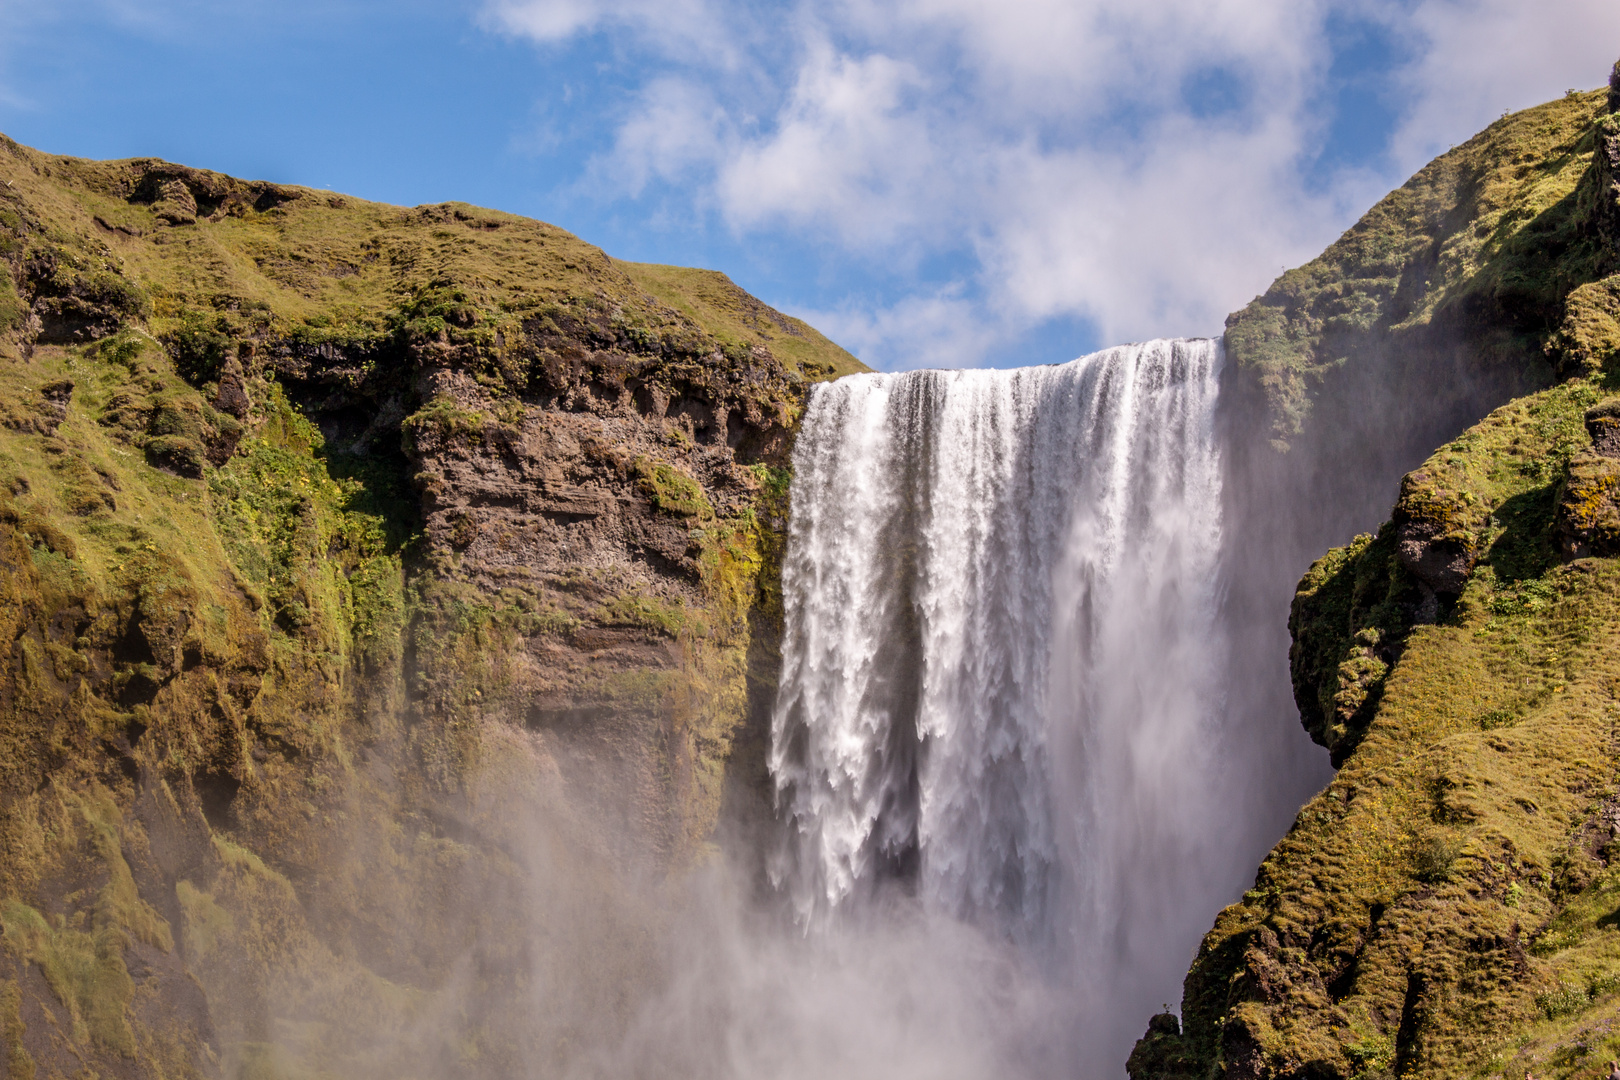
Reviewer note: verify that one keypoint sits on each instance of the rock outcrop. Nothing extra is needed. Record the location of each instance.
(1588, 522)
(1445, 906)
(382, 589)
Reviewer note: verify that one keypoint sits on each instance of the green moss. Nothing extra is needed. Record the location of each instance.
(672, 490)
(325, 554)
(206, 924)
(717, 305)
(85, 970)
(1494, 492)
(442, 421)
(177, 454)
(731, 561)
(1443, 906)
(118, 904)
(12, 309)
(1349, 621)
(1482, 245)
(1587, 341)
(650, 613)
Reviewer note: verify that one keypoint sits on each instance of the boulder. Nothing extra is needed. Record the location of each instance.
(1588, 521)
(232, 396)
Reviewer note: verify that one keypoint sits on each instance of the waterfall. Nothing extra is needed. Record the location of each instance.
(1002, 666)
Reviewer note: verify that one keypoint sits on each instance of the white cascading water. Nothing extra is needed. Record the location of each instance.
(1002, 663)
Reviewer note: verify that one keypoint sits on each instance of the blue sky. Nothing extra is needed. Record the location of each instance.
(931, 182)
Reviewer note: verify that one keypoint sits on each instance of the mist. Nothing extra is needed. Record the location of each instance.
(1032, 730)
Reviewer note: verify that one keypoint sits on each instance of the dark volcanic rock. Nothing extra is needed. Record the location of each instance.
(54, 409)
(1603, 425)
(232, 396)
(1442, 563)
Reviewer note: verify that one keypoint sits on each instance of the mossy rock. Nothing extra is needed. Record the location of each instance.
(1589, 507)
(671, 490)
(1499, 245)
(176, 454)
(1603, 427)
(1439, 908)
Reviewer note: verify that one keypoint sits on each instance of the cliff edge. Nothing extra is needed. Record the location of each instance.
(1447, 905)
(363, 569)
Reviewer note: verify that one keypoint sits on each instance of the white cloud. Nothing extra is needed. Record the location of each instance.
(1483, 57)
(942, 329)
(551, 20)
(675, 126)
(1059, 145)
(850, 151)
(693, 27)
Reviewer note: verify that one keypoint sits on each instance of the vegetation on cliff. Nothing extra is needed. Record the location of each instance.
(1428, 909)
(1490, 263)
(339, 543)
(1449, 904)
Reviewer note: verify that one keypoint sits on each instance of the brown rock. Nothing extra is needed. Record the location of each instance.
(54, 409)
(232, 396)
(176, 454)
(1603, 424)
(176, 205)
(1441, 563)
(1588, 522)
(1606, 176)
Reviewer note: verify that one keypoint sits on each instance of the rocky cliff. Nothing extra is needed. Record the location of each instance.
(362, 568)
(1447, 905)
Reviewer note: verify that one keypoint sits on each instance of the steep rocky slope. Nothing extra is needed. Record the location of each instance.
(362, 567)
(1447, 905)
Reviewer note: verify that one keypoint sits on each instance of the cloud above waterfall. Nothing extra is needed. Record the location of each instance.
(931, 181)
(1479, 58)
(1141, 166)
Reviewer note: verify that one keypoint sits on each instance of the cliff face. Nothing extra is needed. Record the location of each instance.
(1483, 278)
(369, 575)
(1447, 905)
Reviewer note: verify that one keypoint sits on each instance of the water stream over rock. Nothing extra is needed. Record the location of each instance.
(1001, 695)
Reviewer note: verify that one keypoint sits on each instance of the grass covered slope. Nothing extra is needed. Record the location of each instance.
(197, 256)
(381, 589)
(1449, 904)
(1441, 908)
(1464, 270)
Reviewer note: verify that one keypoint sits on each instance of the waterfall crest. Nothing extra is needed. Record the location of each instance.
(1001, 679)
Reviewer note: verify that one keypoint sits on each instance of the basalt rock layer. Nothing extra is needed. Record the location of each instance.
(368, 576)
